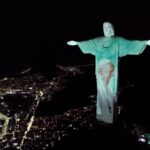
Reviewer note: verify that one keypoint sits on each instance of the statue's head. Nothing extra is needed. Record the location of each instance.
(108, 29)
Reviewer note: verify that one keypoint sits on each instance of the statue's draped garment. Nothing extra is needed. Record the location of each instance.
(109, 48)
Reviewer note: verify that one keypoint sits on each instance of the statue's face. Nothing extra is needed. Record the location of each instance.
(108, 29)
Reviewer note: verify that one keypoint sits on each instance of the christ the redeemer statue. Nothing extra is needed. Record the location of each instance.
(107, 49)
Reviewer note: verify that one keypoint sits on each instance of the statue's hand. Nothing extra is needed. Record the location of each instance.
(148, 42)
(72, 43)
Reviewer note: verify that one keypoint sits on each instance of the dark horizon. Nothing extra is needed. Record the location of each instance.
(34, 33)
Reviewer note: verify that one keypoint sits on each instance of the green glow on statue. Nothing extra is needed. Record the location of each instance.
(148, 137)
(107, 49)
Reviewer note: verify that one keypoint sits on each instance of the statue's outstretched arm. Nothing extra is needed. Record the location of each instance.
(148, 42)
(72, 43)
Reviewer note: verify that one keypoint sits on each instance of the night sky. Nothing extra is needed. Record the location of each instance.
(34, 33)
